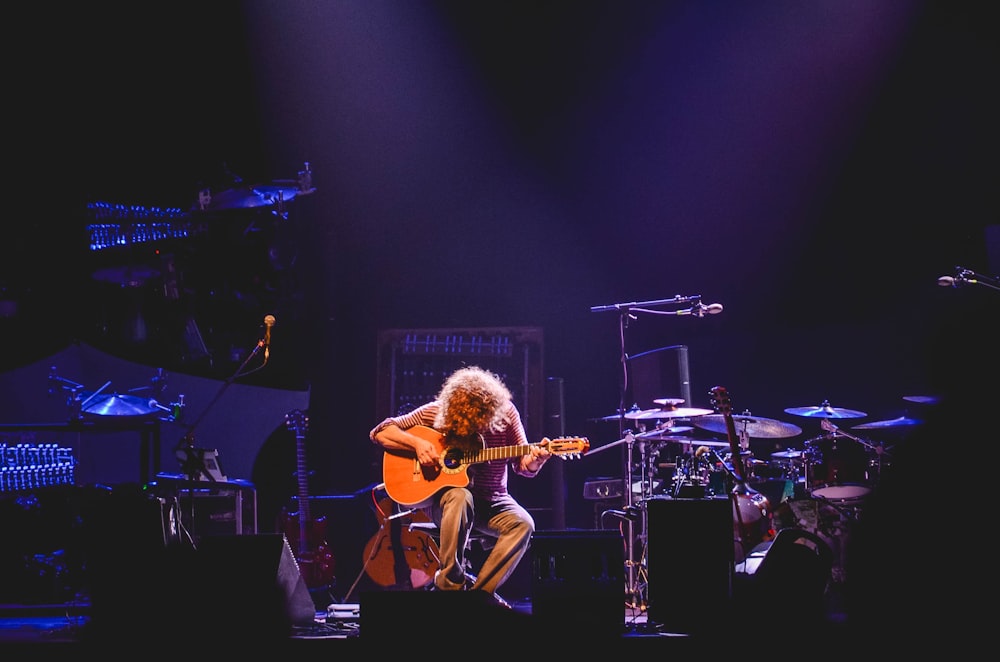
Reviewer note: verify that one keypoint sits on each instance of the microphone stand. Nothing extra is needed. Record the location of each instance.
(634, 593)
(187, 441)
(193, 465)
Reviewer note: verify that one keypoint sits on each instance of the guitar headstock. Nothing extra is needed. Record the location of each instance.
(569, 448)
(297, 421)
(720, 400)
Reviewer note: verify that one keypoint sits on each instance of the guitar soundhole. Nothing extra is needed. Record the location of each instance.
(452, 458)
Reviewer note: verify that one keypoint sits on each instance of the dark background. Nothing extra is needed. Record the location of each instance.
(812, 167)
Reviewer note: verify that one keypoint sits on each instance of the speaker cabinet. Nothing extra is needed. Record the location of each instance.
(230, 589)
(690, 563)
(452, 617)
(578, 582)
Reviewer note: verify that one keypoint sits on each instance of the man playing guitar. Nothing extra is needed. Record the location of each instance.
(473, 412)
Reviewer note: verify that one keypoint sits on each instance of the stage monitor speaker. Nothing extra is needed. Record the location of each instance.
(256, 582)
(449, 616)
(578, 582)
(233, 589)
(690, 563)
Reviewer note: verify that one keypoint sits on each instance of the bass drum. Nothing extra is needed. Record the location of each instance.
(752, 523)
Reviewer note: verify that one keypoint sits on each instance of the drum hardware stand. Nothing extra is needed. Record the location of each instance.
(626, 312)
(628, 514)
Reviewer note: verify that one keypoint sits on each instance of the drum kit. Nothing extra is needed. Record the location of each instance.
(821, 486)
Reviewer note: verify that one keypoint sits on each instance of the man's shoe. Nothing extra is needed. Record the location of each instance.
(499, 602)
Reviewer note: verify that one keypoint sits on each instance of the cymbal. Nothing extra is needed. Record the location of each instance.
(755, 426)
(250, 197)
(825, 411)
(902, 421)
(922, 399)
(668, 434)
(668, 402)
(654, 414)
(787, 455)
(118, 405)
(667, 429)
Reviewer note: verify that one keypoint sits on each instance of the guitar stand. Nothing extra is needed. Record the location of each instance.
(391, 533)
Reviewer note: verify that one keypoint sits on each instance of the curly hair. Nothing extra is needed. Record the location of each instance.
(472, 401)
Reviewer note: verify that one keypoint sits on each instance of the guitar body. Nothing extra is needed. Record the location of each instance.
(315, 558)
(400, 557)
(409, 483)
(752, 520)
(312, 552)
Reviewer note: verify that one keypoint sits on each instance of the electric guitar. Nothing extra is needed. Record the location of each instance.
(314, 556)
(409, 483)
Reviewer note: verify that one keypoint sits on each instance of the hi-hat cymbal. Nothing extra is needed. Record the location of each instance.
(825, 411)
(117, 405)
(668, 402)
(667, 434)
(787, 455)
(755, 426)
(902, 421)
(655, 414)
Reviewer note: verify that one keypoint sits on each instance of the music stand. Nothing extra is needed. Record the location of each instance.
(200, 464)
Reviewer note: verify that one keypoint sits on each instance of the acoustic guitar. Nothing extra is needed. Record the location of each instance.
(315, 559)
(751, 510)
(409, 483)
(398, 555)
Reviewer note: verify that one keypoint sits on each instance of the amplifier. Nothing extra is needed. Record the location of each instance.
(208, 508)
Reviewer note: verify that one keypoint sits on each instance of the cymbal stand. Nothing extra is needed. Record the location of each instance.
(636, 586)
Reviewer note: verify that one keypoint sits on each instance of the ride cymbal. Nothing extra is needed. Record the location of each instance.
(250, 197)
(825, 411)
(755, 426)
(117, 405)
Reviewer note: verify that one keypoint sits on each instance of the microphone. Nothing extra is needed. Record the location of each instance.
(268, 323)
(965, 276)
(711, 309)
(700, 310)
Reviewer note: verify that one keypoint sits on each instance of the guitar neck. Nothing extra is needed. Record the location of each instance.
(734, 448)
(497, 453)
(720, 397)
(302, 474)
